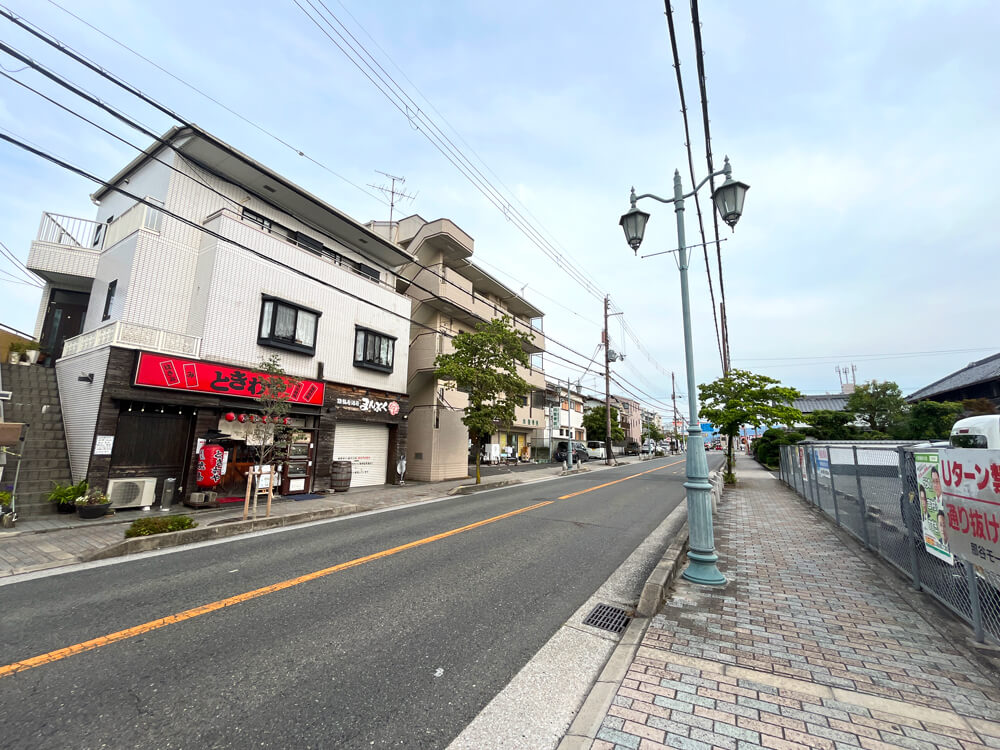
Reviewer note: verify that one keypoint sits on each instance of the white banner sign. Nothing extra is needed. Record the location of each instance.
(970, 491)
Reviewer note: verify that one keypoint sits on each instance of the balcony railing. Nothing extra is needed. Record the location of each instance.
(69, 230)
(133, 336)
(140, 216)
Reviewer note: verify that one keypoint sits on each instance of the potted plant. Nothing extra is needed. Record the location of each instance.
(32, 350)
(92, 505)
(5, 502)
(65, 495)
(15, 352)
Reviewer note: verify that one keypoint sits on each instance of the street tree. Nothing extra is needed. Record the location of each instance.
(879, 404)
(484, 365)
(596, 424)
(651, 432)
(743, 398)
(267, 434)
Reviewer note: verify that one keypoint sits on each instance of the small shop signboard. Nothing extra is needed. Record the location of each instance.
(970, 514)
(178, 374)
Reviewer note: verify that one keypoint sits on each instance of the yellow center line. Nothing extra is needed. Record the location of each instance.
(608, 484)
(188, 614)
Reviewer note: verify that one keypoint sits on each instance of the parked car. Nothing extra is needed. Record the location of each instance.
(595, 449)
(631, 448)
(580, 454)
(976, 432)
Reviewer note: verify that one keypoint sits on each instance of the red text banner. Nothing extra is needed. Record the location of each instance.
(178, 374)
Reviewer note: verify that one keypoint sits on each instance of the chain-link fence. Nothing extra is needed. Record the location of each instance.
(870, 489)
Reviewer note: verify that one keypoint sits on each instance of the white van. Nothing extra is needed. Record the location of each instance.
(976, 432)
(595, 449)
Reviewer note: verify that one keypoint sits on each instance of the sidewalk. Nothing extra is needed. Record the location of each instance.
(808, 646)
(42, 543)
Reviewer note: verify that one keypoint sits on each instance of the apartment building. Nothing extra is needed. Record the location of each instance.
(629, 417)
(450, 295)
(160, 310)
(569, 407)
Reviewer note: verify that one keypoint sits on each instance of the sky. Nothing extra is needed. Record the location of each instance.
(866, 131)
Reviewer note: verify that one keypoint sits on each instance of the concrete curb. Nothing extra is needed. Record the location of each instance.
(471, 489)
(587, 723)
(205, 533)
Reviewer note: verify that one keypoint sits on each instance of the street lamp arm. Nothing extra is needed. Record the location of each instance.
(726, 170)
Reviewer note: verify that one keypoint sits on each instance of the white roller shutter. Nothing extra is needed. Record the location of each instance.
(366, 446)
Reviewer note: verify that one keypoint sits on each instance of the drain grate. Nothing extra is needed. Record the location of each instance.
(610, 618)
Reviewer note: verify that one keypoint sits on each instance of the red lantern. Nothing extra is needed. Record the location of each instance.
(210, 465)
(230, 416)
(241, 418)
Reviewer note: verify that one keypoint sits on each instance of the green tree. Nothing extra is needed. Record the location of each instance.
(267, 435)
(826, 424)
(974, 407)
(596, 424)
(932, 420)
(879, 404)
(743, 398)
(651, 432)
(484, 366)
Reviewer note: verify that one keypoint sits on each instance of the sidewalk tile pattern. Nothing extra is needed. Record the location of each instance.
(804, 648)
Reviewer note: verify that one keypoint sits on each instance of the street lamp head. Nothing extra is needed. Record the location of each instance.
(729, 197)
(634, 224)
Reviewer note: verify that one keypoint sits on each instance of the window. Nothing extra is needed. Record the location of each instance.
(373, 350)
(371, 273)
(109, 300)
(261, 221)
(287, 326)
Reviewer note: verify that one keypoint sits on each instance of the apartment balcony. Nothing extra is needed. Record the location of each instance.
(66, 250)
(132, 336)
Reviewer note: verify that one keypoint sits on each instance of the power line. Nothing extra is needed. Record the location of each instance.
(687, 145)
(136, 92)
(421, 122)
(700, 61)
(215, 101)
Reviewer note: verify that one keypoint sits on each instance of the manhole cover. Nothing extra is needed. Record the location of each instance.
(606, 617)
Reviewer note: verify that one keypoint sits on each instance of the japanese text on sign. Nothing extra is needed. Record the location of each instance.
(160, 371)
(970, 491)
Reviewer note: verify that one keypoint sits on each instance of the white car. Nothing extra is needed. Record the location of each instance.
(595, 449)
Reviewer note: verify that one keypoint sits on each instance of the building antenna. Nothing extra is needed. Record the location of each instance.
(390, 191)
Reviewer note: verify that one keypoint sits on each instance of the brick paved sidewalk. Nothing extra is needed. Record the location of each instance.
(806, 647)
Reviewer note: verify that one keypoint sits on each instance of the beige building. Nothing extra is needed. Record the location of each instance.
(451, 295)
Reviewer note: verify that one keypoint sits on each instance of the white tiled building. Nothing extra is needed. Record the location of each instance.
(259, 267)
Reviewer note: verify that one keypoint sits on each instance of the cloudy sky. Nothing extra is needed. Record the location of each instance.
(867, 131)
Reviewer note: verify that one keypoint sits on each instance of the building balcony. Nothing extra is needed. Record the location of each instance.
(133, 336)
(66, 250)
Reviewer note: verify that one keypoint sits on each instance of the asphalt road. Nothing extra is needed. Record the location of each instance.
(401, 650)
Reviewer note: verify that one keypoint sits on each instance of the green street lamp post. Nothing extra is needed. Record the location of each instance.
(728, 199)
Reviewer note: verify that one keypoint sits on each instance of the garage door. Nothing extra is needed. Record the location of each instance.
(366, 446)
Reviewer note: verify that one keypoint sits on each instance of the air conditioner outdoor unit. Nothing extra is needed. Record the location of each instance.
(134, 492)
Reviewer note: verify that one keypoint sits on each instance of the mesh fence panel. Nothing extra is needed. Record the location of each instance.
(871, 491)
(989, 601)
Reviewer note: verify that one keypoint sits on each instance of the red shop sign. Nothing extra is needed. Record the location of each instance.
(174, 373)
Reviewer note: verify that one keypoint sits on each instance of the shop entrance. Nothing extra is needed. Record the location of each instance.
(152, 441)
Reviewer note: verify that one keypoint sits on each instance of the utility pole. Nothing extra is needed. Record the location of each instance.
(673, 395)
(607, 388)
(569, 425)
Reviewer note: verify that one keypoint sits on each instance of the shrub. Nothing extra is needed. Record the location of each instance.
(150, 526)
(67, 494)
